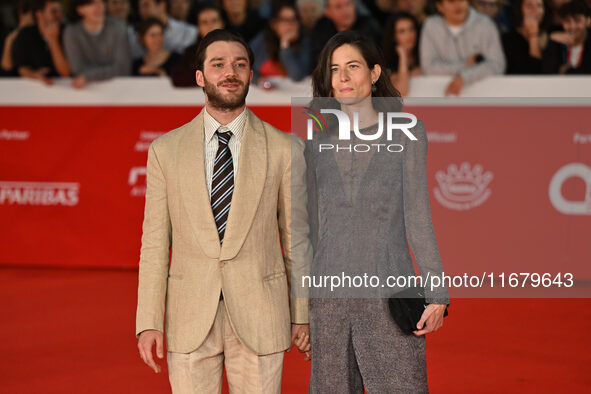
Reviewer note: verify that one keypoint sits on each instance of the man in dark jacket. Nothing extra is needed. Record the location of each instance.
(569, 52)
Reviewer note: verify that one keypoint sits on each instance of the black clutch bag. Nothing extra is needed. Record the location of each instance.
(407, 306)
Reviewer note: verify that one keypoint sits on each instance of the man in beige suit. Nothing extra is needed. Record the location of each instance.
(226, 192)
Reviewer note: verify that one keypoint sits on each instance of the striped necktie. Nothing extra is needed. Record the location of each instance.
(222, 184)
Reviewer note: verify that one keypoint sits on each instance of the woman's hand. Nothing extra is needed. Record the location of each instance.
(300, 337)
(148, 70)
(531, 26)
(431, 319)
(288, 37)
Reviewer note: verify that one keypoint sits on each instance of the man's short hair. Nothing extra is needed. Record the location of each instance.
(80, 3)
(220, 35)
(22, 7)
(73, 9)
(573, 8)
(208, 7)
(39, 5)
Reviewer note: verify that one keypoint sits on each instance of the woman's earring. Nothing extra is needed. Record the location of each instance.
(373, 86)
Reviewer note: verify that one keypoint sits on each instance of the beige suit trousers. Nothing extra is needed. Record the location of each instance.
(201, 370)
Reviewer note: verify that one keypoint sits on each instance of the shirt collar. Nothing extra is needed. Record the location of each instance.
(236, 126)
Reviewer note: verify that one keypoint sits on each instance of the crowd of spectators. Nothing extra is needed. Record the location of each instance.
(93, 40)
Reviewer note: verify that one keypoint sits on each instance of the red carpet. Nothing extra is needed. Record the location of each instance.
(72, 331)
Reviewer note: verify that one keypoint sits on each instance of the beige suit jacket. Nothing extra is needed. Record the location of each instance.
(269, 199)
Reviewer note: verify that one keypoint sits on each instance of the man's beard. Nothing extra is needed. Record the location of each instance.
(219, 101)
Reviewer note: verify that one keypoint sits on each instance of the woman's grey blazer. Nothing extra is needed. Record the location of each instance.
(363, 208)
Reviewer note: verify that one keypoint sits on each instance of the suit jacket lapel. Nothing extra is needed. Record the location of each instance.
(193, 188)
(248, 186)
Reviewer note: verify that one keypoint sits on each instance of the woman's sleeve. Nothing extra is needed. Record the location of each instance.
(298, 64)
(312, 194)
(417, 214)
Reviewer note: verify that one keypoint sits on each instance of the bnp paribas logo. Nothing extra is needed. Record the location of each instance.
(388, 123)
(464, 187)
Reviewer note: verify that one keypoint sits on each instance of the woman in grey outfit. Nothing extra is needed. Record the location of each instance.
(366, 206)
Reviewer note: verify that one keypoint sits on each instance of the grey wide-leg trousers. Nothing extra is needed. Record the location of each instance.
(356, 343)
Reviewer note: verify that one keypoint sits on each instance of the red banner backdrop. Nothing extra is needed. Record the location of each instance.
(510, 186)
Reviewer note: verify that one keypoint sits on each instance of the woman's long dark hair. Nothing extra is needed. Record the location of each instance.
(389, 44)
(272, 39)
(322, 78)
(517, 15)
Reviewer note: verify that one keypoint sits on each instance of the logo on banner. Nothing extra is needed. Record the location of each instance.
(463, 188)
(345, 130)
(563, 205)
(146, 138)
(39, 193)
(137, 181)
(437, 136)
(14, 135)
(579, 138)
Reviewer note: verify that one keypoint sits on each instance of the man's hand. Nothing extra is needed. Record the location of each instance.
(300, 337)
(79, 82)
(562, 37)
(432, 319)
(145, 342)
(455, 86)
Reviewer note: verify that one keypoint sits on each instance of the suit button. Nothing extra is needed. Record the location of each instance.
(222, 264)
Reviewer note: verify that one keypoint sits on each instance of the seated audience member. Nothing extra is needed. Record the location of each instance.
(242, 20)
(340, 15)
(526, 44)
(380, 10)
(401, 50)
(495, 9)
(209, 18)
(177, 35)
(179, 9)
(37, 50)
(281, 49)
(460, 42)
(417, 8)
(310, 11)
(25, 18)
(157, 61)
(118, 9)
(570, 51)
(96, 46)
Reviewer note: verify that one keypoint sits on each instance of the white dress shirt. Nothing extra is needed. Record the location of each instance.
(211, 143)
